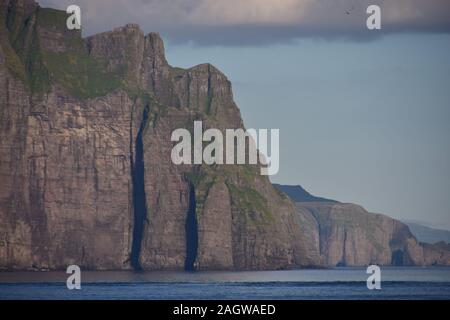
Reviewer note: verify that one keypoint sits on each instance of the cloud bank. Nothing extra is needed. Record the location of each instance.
(260, 22)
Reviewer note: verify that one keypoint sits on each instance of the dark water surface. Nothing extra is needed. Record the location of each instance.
(337, 283)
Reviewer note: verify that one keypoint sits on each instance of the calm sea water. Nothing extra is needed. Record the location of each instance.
(337, 283)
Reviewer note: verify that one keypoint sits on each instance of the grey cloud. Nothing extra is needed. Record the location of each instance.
(261, 22)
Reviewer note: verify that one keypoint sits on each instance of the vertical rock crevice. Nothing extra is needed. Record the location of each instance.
(139, 197)
(397, 258)
(191, 232)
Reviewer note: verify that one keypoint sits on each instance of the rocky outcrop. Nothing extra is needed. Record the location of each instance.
(437, 254)
(87, 179)
(347, 235)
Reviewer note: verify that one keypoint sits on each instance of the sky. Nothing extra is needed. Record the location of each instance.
(364, 116)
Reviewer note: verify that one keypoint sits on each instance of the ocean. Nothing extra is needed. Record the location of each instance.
(318, 284)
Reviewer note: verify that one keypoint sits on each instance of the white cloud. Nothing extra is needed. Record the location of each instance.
(232, 12)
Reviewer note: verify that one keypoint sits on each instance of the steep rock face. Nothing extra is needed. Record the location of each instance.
(14, 202)
(85, 148)
(436, 254)
(64, 161)
(215, 229)
(347, 235)
(237, 211)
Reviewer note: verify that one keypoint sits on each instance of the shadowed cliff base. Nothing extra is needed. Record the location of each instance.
(397, 258)
(191, 232)
(139, 200)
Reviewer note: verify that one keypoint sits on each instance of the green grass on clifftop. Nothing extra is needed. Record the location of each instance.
(63, 58)
(80, 75)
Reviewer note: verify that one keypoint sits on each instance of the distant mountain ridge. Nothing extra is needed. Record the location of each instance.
(298, 194)
(345, 234)
(428, 234)
(422, 232)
